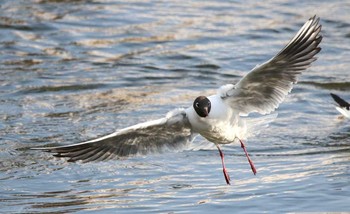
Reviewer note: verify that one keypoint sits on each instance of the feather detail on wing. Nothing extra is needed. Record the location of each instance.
(170, 132)
(265, 87)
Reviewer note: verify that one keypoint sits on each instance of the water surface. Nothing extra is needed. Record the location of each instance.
(75, 70)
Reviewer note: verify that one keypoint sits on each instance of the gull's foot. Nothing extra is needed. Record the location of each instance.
(252, 166)
(227, 176)
(249, 160)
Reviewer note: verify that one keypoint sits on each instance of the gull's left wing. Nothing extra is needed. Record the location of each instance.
(170, 132)
(265, 87)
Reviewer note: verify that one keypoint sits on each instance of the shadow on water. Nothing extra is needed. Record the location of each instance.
(341, 86)
(72, 88)
(71, 198)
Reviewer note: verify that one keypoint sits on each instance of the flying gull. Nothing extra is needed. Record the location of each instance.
(220, 118)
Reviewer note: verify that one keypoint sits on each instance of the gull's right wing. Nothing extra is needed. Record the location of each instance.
(170, 132)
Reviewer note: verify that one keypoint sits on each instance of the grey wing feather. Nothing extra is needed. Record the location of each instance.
(170, 132)
(265, 87)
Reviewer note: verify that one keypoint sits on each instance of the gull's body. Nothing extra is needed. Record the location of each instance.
(220, 117)
(220, 126)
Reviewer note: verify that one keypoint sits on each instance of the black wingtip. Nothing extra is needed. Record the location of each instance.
(335, 97)
(315, 18)
(342, 103)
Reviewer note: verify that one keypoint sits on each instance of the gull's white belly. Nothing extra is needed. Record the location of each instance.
(224, 133)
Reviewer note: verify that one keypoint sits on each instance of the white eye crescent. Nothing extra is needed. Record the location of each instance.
(197, 105)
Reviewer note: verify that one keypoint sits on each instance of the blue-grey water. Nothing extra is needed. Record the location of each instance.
(74, 70)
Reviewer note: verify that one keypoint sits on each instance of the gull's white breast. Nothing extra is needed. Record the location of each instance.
(222, 125)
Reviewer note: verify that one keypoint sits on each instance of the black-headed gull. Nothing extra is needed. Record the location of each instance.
(344, 107)
(220, 118)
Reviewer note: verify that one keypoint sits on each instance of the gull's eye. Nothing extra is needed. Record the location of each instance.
(197, 105)
(209, 104)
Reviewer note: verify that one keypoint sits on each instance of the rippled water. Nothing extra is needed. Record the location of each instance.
(74, 70)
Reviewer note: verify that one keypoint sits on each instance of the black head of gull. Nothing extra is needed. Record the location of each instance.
(202, 106)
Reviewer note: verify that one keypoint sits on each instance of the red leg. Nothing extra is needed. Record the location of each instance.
(227, 176)
(247, 155)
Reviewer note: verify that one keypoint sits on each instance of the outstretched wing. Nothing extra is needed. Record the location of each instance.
(265, 87)
(170, 132)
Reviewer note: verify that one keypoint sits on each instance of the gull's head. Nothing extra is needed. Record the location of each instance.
(202, 106)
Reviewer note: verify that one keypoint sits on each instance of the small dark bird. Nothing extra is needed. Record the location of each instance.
(344, 107)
